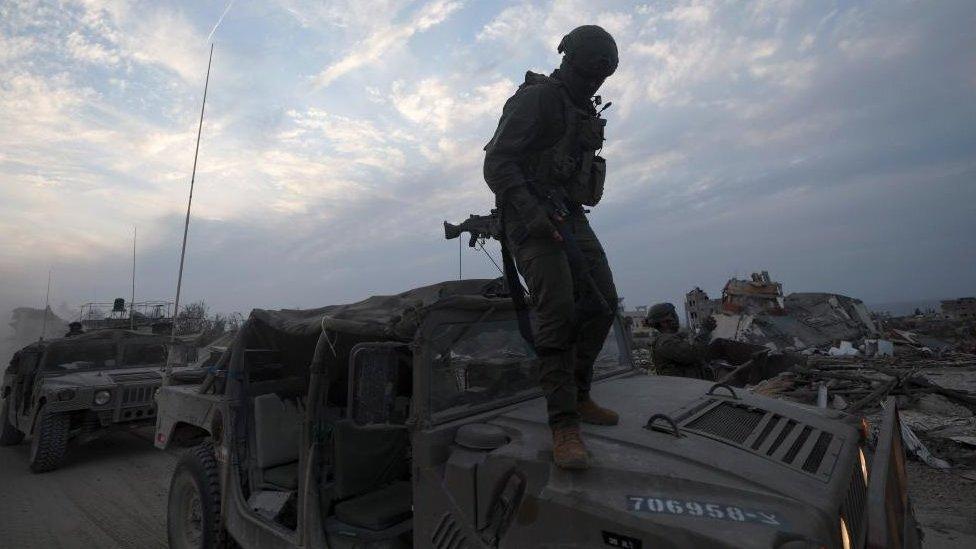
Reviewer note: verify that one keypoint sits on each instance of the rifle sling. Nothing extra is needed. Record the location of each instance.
(515, 290)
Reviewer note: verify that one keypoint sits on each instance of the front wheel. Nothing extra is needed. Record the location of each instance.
(193, 514)
(9, 435)
(50, 442)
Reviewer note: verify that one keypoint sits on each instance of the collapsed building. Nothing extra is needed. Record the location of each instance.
(756, 311)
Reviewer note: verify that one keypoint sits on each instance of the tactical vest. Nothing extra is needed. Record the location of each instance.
(571, 165)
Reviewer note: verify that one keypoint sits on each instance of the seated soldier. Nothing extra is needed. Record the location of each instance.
(672, 351)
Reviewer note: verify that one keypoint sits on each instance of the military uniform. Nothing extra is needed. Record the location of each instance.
(547, 140)
(674, 355)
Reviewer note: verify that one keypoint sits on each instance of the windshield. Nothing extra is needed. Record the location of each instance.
(487, 364)
(143, 353)
(102, 355)
(85, 355)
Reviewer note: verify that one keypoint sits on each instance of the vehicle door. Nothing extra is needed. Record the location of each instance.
(371, 446)
(25, 382)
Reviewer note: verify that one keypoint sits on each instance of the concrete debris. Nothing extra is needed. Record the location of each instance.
(967, 440)
(878, 347)
(846, 348)
(940, 405)
(915, 446)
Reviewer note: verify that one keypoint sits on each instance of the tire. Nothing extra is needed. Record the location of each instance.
(9, 435)
(193, 510)
(50, 441)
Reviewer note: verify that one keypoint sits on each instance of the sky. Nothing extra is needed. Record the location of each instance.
(830, 143)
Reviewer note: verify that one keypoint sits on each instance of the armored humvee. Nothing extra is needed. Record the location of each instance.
(414, 420)
(82, 386)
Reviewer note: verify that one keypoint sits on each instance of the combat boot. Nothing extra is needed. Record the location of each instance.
(568, 450)
(592, 413)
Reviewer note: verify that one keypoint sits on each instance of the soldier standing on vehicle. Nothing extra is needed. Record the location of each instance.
(672, 352)
(544, 153)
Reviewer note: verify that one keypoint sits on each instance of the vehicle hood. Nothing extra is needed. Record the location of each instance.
(641, 477)
(102, 378)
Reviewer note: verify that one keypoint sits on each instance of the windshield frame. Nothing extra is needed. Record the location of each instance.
(432, 330)
(118, 344)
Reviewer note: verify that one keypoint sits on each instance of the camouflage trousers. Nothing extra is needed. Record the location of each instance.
(568, 338)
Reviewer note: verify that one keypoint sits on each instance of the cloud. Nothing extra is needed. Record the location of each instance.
(375, 46)
(438, 105)
(84, 50)
(143, 35)
(788, 136)
(513, 24)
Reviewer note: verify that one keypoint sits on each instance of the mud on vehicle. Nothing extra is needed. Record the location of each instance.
(79, 388)
(415, 420)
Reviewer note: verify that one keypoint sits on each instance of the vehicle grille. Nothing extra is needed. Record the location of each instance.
(728, 421)
(142, 394)
(448, 535)
(816, 456)
(794, 444)
(853, 509)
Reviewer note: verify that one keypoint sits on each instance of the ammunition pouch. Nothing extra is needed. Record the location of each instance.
(572, 164)
(587, 188)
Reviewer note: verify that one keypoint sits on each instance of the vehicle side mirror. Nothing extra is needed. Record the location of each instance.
(374, 374)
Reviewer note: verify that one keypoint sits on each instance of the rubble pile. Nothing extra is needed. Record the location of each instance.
(809, 321)
(936, 396)
(935, 332)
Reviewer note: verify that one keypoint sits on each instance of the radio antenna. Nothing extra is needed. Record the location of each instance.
(132, 302)
(189, 202)
(47, 306)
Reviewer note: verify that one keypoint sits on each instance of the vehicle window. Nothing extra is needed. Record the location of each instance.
(87, 355)
(143, 353)
(487, 364)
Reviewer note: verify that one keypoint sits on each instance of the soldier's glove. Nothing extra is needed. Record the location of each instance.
(532, 213)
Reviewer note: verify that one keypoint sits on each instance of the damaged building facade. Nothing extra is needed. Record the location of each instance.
(759, 294)
(963, 308)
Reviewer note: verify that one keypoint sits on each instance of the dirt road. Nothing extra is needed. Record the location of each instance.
(109, 493)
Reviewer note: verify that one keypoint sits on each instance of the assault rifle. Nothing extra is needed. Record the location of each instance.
(489, 226)
(478, 226)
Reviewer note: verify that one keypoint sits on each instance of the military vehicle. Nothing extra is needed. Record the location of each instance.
(414, 420)
(79, 387)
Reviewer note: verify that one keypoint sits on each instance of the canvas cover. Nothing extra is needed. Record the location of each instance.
(294, 332)
(79, 340)
(379, 318)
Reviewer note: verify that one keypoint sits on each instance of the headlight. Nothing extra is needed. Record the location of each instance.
(845, 535)
(102, 397)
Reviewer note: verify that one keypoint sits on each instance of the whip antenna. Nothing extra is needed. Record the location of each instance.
(189, 202)
(132, 302)
(47, 305)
